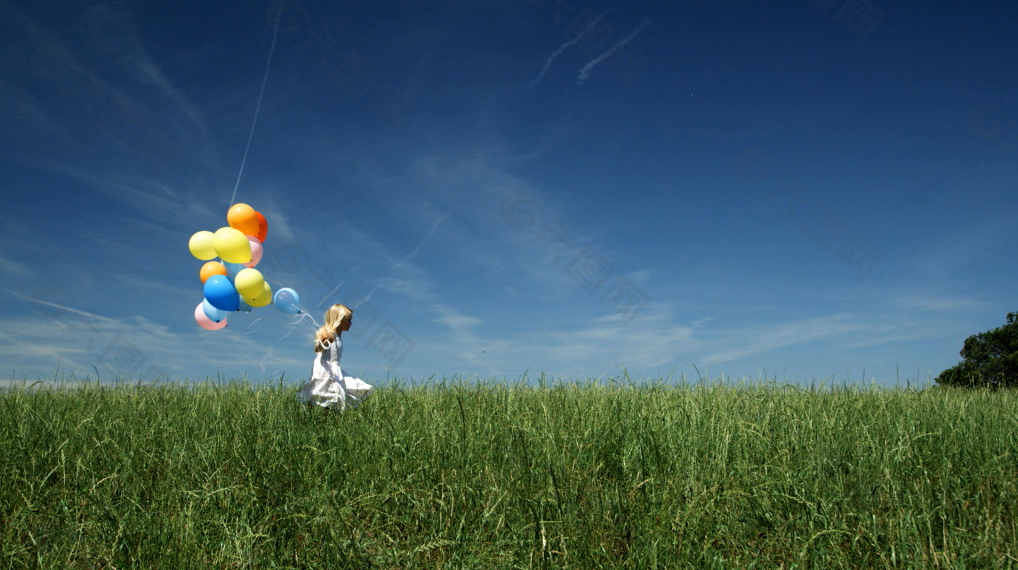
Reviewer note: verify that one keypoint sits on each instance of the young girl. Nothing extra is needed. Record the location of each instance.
(328, 386)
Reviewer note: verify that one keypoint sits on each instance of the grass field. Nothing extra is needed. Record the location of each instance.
(493, 475)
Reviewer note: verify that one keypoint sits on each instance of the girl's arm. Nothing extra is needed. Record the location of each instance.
(334, 350)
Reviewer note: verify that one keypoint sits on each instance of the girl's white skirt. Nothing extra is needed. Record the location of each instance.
(330, 388)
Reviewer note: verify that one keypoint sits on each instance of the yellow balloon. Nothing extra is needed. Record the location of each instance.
(232, 245)
(249, 283)
(201, 246)
(264, 298)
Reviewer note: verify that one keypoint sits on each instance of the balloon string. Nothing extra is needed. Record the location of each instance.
(314, 323)
(303, 315)
(265, 79)
(274, 262)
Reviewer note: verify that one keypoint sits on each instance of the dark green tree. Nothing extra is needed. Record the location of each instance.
(990, 359)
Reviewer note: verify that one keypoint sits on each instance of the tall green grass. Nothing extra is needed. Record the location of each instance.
(490, 475)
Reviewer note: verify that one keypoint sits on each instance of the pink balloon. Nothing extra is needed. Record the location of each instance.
(256, 251)
(205, 322)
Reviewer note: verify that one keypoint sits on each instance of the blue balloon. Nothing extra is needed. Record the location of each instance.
(244, 307)
(287, 300)
(214, 314)
(221, 294)
(232, 269)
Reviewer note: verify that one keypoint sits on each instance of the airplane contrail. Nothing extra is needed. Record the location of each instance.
(59, 306)
(593, 63)
(367, 298)
(565, 46)
(426, 239)
(406, 259)
(330, 293)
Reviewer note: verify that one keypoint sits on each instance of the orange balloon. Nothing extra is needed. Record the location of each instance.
(243, 217)
(263, 227)
(212, 268)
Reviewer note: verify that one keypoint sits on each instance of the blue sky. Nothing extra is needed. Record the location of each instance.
(814, 189)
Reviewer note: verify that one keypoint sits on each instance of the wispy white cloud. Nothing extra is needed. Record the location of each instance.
(92, 316)
(462, 330)
(655, 338)
(200, 210)
(113, 28)
(150, 70)
(31, 119)
(132, 191)
(135, 346)
(565, 46)
(454, 320)
(329, 295)
(940, 303)
(12, 268)
(590, 347)
(841, 336)
(476, 186)
(963, 246)
(585, 72)
(467, 191)
(750, 340)
(403, 276)
(72, 99)
(275, 218)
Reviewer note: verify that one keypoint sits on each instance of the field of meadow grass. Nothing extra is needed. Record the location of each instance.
(468, 474)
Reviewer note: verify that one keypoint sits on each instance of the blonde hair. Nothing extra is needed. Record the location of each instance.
(327, 332)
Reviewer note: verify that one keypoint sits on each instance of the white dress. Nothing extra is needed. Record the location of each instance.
(328, 386)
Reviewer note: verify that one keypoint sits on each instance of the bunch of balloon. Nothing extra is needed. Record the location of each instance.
(231, 283)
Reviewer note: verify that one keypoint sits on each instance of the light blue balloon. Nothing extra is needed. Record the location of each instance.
(244, 307)
(215, 315)
(287, 300)
(232, 269)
